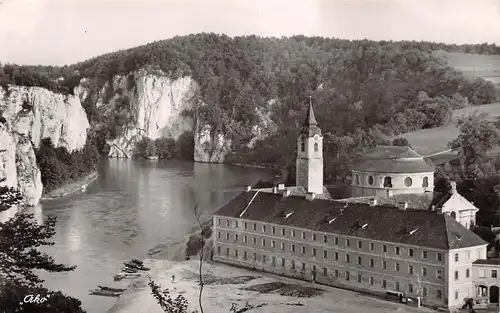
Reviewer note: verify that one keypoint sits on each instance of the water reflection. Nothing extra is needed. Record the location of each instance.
(132, 207)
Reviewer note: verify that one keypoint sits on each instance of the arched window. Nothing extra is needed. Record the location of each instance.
(425, 182)
(315, 147)
(302, 146)
(387, 181)
(454, 215)
(370, 180)
(408, 181)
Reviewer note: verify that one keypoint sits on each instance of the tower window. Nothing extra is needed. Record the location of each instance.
(387, 181)
(408, 181)
(370, 180)
(302, 146)
(425, 182)
(315, 147)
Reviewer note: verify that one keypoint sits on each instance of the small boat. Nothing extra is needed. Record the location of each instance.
(138, 262)
(127, 269)
(111, 289)
(136, 266)
(105, 293)
(121, 276)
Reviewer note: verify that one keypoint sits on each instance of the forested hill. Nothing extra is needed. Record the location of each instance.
(363, 90)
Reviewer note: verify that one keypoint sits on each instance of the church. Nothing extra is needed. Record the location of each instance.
(393, 234)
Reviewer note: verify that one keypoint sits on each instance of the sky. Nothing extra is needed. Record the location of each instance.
(58, 32)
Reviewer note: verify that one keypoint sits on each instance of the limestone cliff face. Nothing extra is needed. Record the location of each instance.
(158, 106)
(28, 115)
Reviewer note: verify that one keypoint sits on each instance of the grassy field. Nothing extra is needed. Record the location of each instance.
(485, 66)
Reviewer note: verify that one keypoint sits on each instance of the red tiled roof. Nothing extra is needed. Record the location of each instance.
(385, 223)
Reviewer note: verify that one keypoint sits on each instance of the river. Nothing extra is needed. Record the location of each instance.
(134, 206)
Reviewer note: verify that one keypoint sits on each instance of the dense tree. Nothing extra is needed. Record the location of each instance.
(165, 147)
(145, 148)
(400, 141)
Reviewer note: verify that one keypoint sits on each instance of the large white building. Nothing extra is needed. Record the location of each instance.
(392, 235)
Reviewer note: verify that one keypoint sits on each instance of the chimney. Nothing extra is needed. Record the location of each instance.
(373, 202)
(310, 195)
(453, 187)
(275, 189)
(248, 188)
(402, 205)
(281, 187)
(286, 192)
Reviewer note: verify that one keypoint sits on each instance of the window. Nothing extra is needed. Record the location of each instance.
(372, 246)
(325, 239)
(493, 273)
(236, 253)
(292, 264)
(227, 222)
(282, 246)
(283, 262)
(336, 274)
(218, 234)
(356, 179)
(384, 247)
(244, 255)
(396, 267)
(425, 182)
(440, 257)
(456, 275)
(246, 225)
(372, 262)
(408, 181)
(439, 294)
(410, 269)
(263, 228)
(313, 271)
(456, 294)
(292, 248)
(254, 226)
(384, 283)
(325, 271)
(282, 232)
(292, 232)
(397, 286)
(482, 273)
(347, 275)
(325, 254)
(314, 252)
(336, 240)
(397, 250)
(315, 147)
(302, 146)
(467, 273)
(235, 237)
(236, 224)
(370, 180)
(359, 278)
(273, 244)
(410, 252)
(303, 266)
(245, 238)
(439, 274)
(218, 222)
(263, 242)
(303, 235)
(218, 250)
(314, 237)
(347, 258)
(424, 271)
(410, 288)
(456, 257)
(263, 259)
(424, 291)
(255, 256)
(370, 280)
(273, 230)
(227, 251)
(384, 265)
(336, 256)
(424, 254)
(387, 181)
(274, 261)
(303, 250)
(360, 261)
(254, 240)
(347, 242)
(227, 236)
(360, 244)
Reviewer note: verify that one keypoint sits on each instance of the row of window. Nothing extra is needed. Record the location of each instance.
(336, 273)
(397, 250)
(482, 273)
(408, 182)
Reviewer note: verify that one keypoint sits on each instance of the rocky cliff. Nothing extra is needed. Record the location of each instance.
(28, 115)
(156, 106)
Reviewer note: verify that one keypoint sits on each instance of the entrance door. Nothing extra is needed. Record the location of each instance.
(494, 294)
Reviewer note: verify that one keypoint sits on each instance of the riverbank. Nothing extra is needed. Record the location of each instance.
(72, 187)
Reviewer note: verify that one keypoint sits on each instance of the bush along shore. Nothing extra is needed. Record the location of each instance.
(70, 188)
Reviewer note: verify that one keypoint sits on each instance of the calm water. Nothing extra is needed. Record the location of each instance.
(131, 208)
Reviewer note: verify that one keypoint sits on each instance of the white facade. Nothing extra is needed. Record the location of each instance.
(310, 163)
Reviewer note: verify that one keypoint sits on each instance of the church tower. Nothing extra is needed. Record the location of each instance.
(309, 171)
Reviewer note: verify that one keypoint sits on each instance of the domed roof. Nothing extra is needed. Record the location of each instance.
(393, 159)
